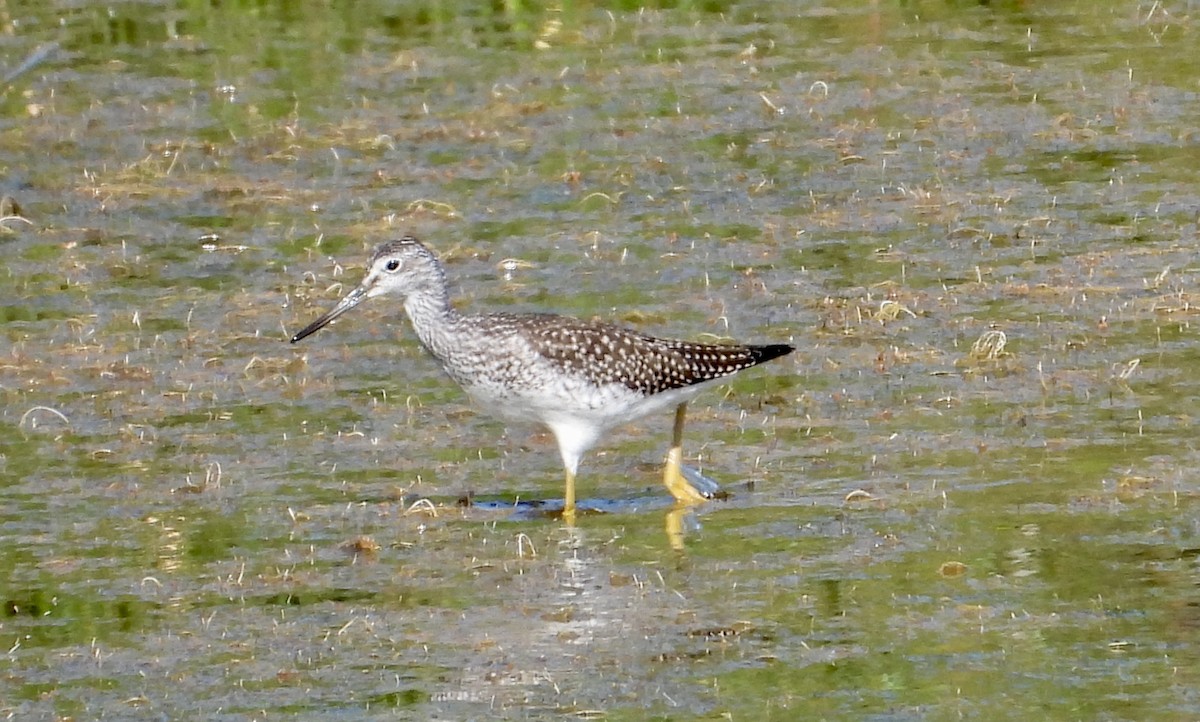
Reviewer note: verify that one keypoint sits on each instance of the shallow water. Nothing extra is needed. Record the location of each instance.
(199, 520)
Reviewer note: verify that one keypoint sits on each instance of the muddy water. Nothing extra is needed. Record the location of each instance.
(972, 492)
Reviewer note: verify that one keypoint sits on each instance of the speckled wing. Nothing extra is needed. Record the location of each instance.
(605, 354)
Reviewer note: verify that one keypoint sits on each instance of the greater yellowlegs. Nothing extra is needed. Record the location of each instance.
(578, 378)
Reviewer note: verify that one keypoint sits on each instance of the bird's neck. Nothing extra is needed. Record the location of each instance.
(433, 318)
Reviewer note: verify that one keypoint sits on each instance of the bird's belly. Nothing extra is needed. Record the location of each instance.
(603, 407)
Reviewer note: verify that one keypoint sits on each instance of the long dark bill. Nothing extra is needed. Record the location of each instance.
(348, 302)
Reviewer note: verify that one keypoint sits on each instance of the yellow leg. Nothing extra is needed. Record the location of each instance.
(569, 500)
(683, 492)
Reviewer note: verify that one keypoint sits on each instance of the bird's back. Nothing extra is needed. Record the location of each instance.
(607, 354)
(529, 365)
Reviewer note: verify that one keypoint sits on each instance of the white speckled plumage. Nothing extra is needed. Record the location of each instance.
(580, 379)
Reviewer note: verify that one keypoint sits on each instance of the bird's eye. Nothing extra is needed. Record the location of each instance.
(392, 265)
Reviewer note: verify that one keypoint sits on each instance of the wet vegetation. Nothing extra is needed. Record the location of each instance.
(971, 493)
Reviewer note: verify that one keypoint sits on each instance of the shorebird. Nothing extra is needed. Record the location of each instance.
(578, 378)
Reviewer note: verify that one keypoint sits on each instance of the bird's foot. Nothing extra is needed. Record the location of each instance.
(687, 485)
(708, 488)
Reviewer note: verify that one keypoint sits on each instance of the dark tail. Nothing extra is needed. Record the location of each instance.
(763, 354)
